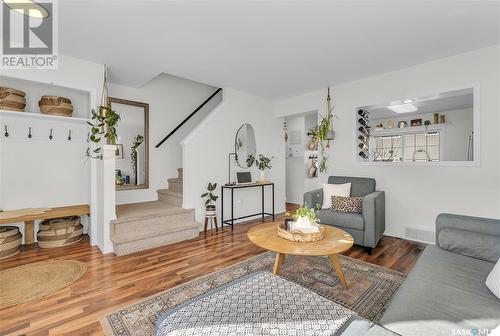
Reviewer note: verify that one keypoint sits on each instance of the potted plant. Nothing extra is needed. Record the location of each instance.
(210, 197)
(304, 218)
(263, 163)
(104, 124)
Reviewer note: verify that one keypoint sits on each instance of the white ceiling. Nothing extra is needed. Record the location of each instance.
(272, 49)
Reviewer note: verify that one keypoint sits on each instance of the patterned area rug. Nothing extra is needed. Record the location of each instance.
(259, 304)
(370, 289)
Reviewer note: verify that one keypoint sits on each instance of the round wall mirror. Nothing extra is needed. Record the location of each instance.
(244, 146)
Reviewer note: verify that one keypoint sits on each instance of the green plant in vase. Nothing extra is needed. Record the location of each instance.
(304, 211)
(263, 163)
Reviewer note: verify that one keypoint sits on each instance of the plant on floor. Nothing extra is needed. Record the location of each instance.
(135, 143)
(210, 197)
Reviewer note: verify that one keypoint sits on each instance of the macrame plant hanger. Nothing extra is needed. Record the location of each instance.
(105, 91)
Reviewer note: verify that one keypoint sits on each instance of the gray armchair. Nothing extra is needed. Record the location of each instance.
(366, 228)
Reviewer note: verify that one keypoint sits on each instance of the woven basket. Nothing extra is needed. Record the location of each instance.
(58, 232)
(297, 236)
(55, 105)
(12, 99)
(10, 241)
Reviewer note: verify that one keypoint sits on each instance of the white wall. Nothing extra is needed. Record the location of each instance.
(294, 159)
(43, 173)
(416, 194)
(206, 153)
(170, 100)
(297, 162)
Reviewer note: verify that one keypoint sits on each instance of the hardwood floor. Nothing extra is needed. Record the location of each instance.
(113, 282)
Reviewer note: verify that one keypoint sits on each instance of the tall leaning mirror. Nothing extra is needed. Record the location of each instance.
(132, 145)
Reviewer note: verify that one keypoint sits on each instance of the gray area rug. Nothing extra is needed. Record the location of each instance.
(260, 304)
(370, 289)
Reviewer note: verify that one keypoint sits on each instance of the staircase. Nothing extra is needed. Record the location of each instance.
(172, 195)
(145, 225)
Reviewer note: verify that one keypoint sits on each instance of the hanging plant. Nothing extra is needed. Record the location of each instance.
(137, 141)
(323, 133)
(103, 123)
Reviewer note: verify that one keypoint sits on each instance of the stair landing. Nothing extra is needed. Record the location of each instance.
(145, 225)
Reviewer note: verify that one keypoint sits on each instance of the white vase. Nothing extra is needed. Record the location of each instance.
(262, 176)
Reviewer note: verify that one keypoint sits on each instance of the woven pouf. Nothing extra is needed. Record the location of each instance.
(10, 241)
(58, 232)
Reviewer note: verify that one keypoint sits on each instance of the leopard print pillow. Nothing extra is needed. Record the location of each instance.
(347, 204)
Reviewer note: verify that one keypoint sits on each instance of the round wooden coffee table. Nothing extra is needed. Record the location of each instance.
(335, 241)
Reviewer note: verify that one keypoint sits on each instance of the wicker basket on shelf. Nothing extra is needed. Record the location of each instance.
(297, 236)
(12, 99)
(58, 232)
(55, 105)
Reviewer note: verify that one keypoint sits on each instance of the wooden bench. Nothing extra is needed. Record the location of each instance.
(30, 215)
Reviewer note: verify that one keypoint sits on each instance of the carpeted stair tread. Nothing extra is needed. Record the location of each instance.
(125, 212)
(170, 192)
(175, 180)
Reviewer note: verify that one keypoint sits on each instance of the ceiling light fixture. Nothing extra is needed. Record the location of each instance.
(403, 108)
(27, 7)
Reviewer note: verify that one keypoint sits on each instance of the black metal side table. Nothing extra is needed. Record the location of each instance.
(243, 186)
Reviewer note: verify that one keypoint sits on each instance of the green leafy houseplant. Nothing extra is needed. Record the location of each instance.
(264, 162)
(304, 211)
(322, 134)
(137, 141)
(210, 197)
(103, 123)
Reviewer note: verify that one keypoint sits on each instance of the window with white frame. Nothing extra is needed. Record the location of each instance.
(412, 147)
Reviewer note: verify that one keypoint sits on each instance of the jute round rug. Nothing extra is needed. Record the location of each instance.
(36, 280)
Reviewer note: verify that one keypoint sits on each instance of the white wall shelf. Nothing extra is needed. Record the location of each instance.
(37, 115)
(406, 130)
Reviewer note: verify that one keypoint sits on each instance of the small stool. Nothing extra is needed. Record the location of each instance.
(212, 216)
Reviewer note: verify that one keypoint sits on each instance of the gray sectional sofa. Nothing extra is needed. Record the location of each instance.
(366, 228)
(445, 293)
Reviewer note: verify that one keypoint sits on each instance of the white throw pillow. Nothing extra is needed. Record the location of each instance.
(330, 190)
(493, 280)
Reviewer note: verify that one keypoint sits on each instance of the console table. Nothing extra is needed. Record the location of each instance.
(244, 186)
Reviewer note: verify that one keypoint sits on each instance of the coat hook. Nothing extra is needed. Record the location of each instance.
(69, 135)
(50, 136)
(6, 131)
(29, 133)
